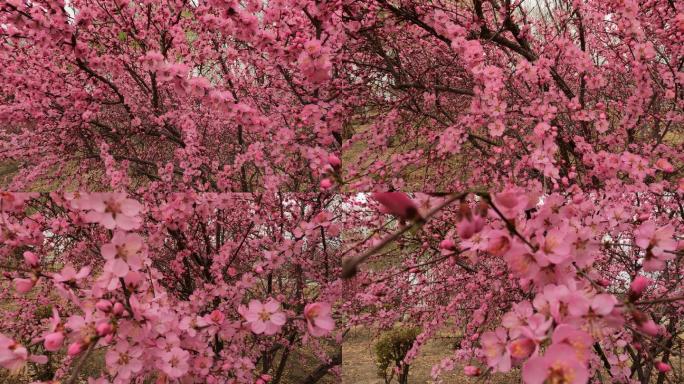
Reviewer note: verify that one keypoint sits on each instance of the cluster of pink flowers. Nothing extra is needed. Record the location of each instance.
(275, 173)
(314, 61)
(123, 310)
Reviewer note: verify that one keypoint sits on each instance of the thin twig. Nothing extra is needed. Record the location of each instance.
(81, 361)
(350, 264)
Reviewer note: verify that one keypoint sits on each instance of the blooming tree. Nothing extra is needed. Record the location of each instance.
(189, 290)
(204, 95)
(508, 170)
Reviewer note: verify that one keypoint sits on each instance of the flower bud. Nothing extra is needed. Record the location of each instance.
(23, 285)
(334, 161)
(104, 305)
(398, 204)
(31, 259)
(104, 329)
(447, 244)
(118, 309)
(326, 183)
(75, 348)
(650, 328)
(53, 341)
(662, 367)
(471, 370)
(639, 284)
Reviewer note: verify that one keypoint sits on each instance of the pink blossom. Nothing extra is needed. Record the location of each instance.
(211, 322)
(326, 183)
(175, 362)
(68, 273)
(216, 316)
(558, 365)
(664, 165)
(124, 360)
(523, 262)
(122, 253)
(113, 210)
(263, 379)
(118, 309)
(13, 356)
(517, 318)
(658, 243)
(319, 319)
(264, 318)
(556, 244)
(202, 365)
(579, 340)
(511, 203)
(521, 348)
(494, 347)
(498, 242)
(536, 327)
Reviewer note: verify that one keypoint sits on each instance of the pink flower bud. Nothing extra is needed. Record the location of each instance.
(650, 328)
(118, 309)
(53, 341)
(447, 244)
(471, 370)
(104, 305)
(326, 183)
(23, 285)
(397, 203)
(334, 161)
(75, 348)
(104, 329)
(662, 367)
(31, 259)
(639, 284)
